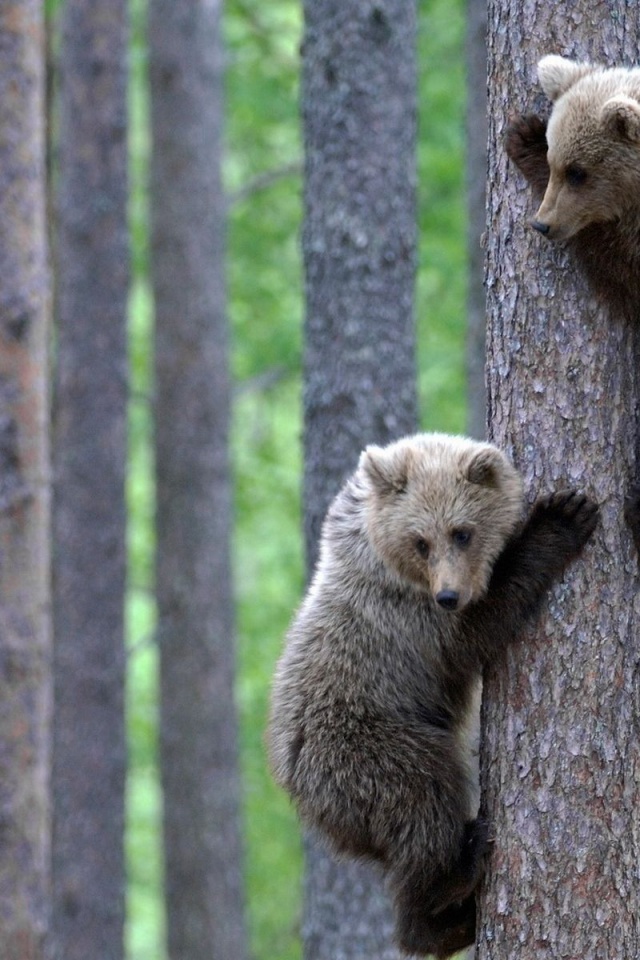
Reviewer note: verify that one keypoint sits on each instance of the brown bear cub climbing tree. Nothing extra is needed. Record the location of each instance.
(426, 573)
(584, 165)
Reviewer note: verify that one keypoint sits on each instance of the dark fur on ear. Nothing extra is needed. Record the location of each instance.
(485, 468)
(621, 118)
(387, 471)
(608, 254)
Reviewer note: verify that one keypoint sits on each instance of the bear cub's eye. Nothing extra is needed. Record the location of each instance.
(461, 538)
(575, 175)
(422, 547)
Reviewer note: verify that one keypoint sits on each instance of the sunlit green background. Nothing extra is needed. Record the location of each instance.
(265, 311)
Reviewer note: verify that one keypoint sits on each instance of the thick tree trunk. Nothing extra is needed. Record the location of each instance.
(359, 105)
(476, 167)
(89, 459)
(25, 633)
(561, 755)
(198, 722)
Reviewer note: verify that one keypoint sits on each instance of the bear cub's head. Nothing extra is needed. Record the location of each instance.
(440, 510)
(593, 139)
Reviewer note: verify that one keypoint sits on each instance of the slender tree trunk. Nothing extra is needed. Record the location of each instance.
(476, 174)
(89, 460)
(198, 722)
(24, 489)
(359, 105)
(561, 755)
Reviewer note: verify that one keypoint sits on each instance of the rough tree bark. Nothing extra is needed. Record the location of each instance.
(476, 166)
(89, 464)
(198, 722)
(25, 632)
(359, 105)
(561, 754)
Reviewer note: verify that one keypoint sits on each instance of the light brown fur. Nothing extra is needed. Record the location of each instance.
(373, 691)
(447, 495)
(593, 138)
(584, 164)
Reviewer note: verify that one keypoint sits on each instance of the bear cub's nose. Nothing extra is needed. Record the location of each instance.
(540, 227)
(448, 599)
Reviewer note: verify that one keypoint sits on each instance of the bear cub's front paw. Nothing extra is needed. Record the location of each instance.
(569, 517)
(526, 146)
(476, 845)
(525, 135)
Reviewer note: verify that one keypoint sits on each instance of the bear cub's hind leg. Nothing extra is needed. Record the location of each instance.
(467, 873)
(441, 935)
(438, 916)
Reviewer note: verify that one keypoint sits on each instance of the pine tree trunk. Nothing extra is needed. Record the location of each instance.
(561, 754)
(359, 105)
(199, 758)
(476, 166)
(25, 630)
(89, 459)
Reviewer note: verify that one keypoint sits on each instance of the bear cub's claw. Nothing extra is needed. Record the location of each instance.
(525, 134)
(570, 516)
(477, 842)
(526, 146)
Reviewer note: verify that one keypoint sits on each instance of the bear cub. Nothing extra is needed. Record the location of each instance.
(585, 165)
(426, 573)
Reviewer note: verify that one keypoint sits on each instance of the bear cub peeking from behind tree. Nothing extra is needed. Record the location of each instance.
(426, 573)
(585, 165)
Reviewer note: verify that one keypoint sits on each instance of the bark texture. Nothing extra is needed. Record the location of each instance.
(198, 721)
(24, 489)
(359, 107)
(561, 755)
(476, 175)
(89, 461)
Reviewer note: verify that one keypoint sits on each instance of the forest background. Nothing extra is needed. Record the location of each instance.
(262, 174)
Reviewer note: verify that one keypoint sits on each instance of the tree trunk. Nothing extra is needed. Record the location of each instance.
(476, 167)
(25, 632)
(359, 106)
(561, 756)
(199, 759)
(89, 508)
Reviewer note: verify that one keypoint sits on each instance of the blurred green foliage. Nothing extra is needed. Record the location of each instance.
(262, 177)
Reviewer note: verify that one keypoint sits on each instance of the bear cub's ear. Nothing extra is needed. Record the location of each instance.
(386, 470)
(620, 117)
(556, 74)
(485, 467)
